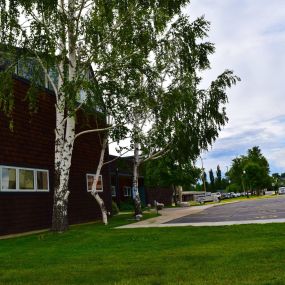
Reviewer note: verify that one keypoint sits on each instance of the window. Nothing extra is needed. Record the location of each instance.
(8, 179)
(16, 179)
(26, 179)
(127, 191)
(113, 189)
(90, 179)
(42, 180)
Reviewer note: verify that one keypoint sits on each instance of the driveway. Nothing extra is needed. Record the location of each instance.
(261, 211)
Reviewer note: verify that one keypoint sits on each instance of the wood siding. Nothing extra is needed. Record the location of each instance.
(31, 145)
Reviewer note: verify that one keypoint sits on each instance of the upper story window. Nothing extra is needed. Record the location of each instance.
(90, 179)
(17, 179)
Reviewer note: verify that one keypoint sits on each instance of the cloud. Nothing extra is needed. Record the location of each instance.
(267, 134)
(250, 39)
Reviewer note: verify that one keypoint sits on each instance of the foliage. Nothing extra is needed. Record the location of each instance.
(127, 205)
(219, 178)
(212, 179)
(166, 172)
(233, 187)
(250, 171)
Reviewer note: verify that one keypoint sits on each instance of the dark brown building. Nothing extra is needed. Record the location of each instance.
(121, 171)
(26, 167)
(121, 184)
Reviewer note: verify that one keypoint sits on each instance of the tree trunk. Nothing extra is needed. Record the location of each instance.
(174, 195)
(62, 168)
(135, 188)
(94, 192)
(179, 191)
(60, 218)
(101, 205)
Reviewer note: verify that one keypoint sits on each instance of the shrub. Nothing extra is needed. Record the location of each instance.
(127, 205)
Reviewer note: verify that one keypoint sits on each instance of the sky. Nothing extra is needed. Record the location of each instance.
(249, 36)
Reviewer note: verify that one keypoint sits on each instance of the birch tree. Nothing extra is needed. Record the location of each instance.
(172, 113)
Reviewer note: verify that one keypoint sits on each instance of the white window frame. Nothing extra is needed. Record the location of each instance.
(129, 191)
(93, 175)
(18, 190)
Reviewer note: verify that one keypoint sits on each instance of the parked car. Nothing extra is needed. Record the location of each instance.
(208, 197)
(218, 194)
(281, 190)
(226, 195)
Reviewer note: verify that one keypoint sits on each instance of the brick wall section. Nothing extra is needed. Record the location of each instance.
(31, 145)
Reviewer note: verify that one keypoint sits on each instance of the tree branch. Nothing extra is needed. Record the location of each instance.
(157, 154)
(92, 131)
(48, 76)
(116, 158)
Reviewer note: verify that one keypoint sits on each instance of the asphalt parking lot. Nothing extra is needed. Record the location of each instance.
(260, 209)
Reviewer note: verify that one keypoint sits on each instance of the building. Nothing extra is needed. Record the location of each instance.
(121, 183)
(121, 171)
(26, 166)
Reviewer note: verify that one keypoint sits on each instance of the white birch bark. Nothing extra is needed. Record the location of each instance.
(179, 191)
(64, 143)
(135, 188)
(94, 191)
(61, 192)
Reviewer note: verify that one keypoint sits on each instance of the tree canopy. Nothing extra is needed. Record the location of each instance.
(250, 171)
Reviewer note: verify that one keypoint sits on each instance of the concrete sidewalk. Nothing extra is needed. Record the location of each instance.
(166, 215)
(169, 214)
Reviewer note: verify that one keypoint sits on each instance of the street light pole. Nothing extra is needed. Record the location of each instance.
(243, 176)
(203, 175)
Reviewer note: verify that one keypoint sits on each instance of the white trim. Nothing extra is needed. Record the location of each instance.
(129, 191)
(93, 175)
(36, 179)
(18, 190)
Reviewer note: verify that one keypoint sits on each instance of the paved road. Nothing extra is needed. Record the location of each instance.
(261, 209)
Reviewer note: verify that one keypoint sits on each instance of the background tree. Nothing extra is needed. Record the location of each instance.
(219, 178)
(235, 172)
(212, 180)
(166, 172)
(256, 177)
(179, 118)
(250, 171)
(276, 182)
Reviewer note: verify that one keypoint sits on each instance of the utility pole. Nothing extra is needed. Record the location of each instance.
(203, 175)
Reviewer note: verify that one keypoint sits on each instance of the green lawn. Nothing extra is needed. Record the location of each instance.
(97, 254)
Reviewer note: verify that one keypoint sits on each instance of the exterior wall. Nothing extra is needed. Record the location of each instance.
(160, 194)
(121, 175)
(124, 180)
(31, 145)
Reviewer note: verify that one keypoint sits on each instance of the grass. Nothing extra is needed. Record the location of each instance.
(97, 254)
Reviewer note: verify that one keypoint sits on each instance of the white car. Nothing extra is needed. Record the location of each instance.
(281, 190)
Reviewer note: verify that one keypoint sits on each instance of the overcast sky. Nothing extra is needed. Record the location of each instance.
(249, 36)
